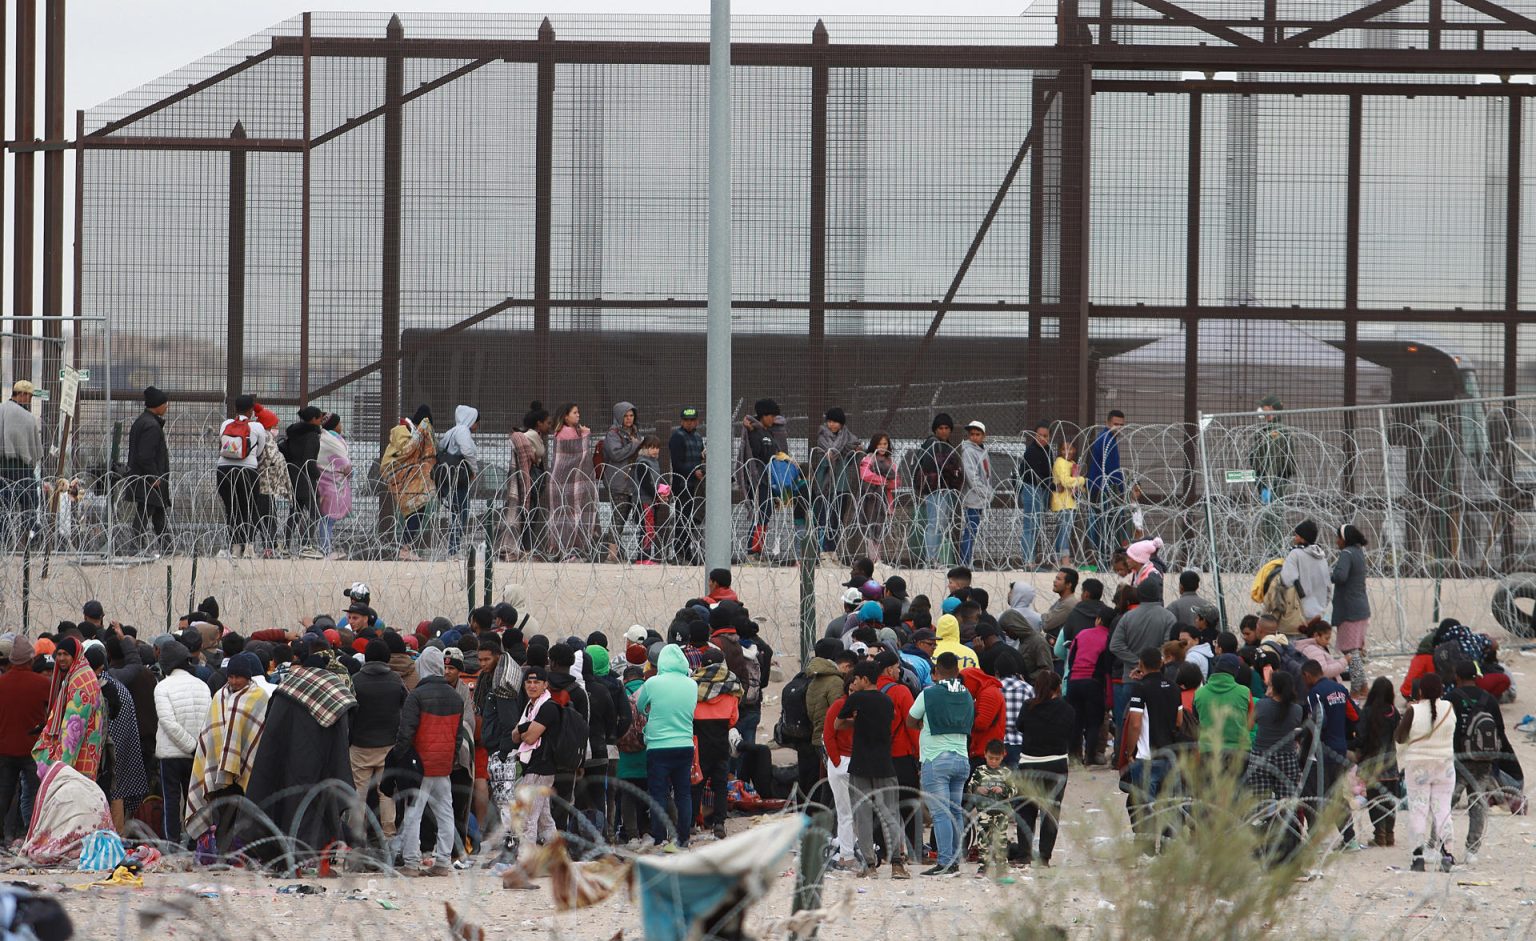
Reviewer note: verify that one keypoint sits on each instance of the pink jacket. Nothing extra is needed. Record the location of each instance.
(1088, 646)
(872, 474)
(1333, 667)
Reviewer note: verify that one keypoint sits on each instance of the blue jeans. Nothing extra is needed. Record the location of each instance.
(1064, 520)
(1122, 694)
(968, 535)
(943, 792)
(458, 515)
(667, 771)
(939, 515)
(327, 530)
(1106, 517)
(1032, 504)
(1145, 778)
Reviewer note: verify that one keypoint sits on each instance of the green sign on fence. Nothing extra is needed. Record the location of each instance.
(1240, 477)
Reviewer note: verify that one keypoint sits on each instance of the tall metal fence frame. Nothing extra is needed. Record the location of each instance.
(1379, 448)
(1097, 44)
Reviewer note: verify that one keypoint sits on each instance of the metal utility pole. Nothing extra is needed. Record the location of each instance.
(717, 398)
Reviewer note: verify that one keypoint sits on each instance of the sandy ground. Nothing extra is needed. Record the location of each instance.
(1369, 894)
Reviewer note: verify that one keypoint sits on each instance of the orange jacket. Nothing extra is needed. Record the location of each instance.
(991, 710)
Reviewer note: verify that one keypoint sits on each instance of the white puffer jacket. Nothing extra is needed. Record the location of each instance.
(182, 703)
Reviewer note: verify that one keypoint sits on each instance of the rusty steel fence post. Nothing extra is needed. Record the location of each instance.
(24, 214)
(543, 200)
(234, 374)
(53, 197)
(304, 185)
(389, 253)
(817, 289)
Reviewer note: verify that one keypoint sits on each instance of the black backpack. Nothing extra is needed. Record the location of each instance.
(1289, 659)
(794, 726)
(1480, 732)
(568, 751)
(1447, 655)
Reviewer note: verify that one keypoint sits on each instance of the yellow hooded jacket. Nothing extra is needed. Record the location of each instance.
(948, 632)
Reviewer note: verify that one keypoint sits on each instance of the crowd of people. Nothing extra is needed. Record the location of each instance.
(284, 490)
(934, 728)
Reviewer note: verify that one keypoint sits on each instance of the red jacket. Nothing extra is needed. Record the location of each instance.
(838, 742)
(23, 708)
(430, 722)
(1421, 664)
(275, 635)
(991, 710)
(721, 594)
(903, 738)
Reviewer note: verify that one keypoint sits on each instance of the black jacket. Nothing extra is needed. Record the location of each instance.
(1035, 468)
(1084, 616)
(582, 704)
(302, 449)
(149, 460)
(380, 694)
(603, 723)
(1046, 727)
(938, 467)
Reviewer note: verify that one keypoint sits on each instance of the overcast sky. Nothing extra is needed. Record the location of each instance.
(115, 45)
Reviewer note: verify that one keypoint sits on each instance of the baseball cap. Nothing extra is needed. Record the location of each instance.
(358, 592)
(358, 607)
(453, 655)
(853, 596)
(635, 634)
(688, 412)
(871, 611)
(949, 605)
(22, 385)
(923, 634)
(978, 426)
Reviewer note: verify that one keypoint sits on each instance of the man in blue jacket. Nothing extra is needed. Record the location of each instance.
(1105, 509)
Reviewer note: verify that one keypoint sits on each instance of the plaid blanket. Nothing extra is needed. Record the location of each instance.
(226, 748)
(322, 692)
(715, 679)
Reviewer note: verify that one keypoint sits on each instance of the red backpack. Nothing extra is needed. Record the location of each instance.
(235, 439)
(633, 739)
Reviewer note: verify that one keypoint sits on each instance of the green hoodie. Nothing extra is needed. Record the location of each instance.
(1222, 706)
(667, 699)
(599, 657)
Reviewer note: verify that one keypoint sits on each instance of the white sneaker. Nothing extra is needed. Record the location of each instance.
(310, 552)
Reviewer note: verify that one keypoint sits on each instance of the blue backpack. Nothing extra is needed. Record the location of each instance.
(783, 477)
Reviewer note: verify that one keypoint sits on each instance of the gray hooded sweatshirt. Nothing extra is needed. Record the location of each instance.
(619, 449)
(1306, 568)
(1021, 616)
(459, 439)
(976, 493)
(1147, 625)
